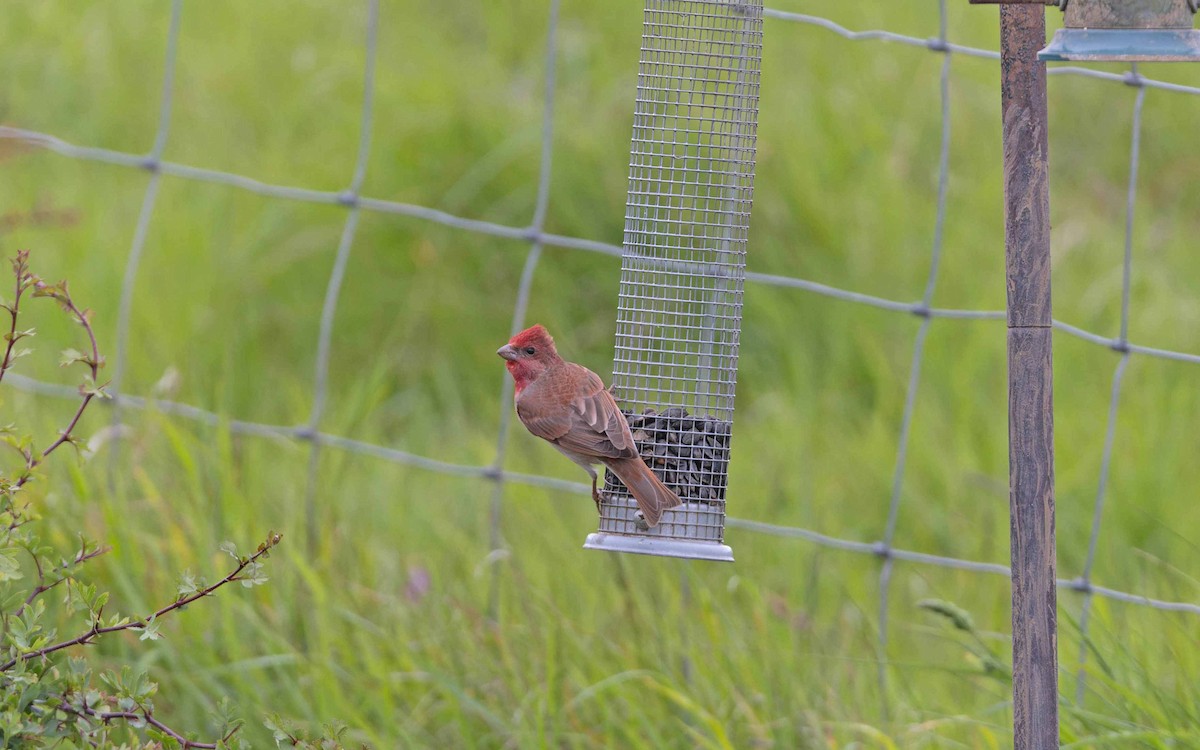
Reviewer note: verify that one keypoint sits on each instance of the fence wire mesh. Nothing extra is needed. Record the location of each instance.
(538, 238)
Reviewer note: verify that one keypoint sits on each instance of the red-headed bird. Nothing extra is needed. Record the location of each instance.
(568, 405)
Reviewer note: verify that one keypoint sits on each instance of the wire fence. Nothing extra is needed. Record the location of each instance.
(534, 233)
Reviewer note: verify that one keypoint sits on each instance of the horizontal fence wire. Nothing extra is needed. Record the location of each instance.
(309, 433)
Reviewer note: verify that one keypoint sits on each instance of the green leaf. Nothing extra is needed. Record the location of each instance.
(254, 575)
(16, 336)
(281, 732)
(89, 388)
(225, 716)
(189, 584)
(116, 620)
(150, 632)
(10, 567)
(20, 442)
(71, 356)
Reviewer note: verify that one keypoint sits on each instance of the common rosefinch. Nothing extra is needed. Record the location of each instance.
(568, 405)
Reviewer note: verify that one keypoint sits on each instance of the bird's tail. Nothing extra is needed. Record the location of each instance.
(653, 497)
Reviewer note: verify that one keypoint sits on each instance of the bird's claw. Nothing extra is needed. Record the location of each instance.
(639, 520)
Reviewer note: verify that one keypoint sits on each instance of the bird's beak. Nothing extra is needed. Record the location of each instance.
(507, 352)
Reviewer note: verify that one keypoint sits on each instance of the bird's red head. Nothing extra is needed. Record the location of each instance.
(528, 354)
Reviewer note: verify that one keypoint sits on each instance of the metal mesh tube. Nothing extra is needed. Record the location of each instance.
(691, 181)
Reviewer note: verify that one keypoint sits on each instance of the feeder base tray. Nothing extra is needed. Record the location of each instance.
(1160, 45)
(645, 545)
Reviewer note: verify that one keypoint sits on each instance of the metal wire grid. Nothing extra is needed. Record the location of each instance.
(535, 234)
(691, 175)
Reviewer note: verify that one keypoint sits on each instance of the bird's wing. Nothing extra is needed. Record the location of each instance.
(599, 415)
(590, 424)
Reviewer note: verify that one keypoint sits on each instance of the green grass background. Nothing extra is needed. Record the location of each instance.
(589, 650)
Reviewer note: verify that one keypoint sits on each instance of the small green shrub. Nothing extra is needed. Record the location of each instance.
(52, 694)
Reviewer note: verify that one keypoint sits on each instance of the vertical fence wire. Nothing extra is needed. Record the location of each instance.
(914, 379)
(150, 162)
(1084, 581)
(349, 198)
(524, 290)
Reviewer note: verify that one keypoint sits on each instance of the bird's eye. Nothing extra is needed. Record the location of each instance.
(530, 351)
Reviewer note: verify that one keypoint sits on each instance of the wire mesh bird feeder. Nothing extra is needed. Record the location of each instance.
(691, 180)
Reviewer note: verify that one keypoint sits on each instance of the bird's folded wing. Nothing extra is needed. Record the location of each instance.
(592, 426)
(600, 428)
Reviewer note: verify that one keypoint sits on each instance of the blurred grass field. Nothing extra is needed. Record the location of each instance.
(589, 650)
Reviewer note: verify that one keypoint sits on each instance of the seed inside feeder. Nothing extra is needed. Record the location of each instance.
(689, 454)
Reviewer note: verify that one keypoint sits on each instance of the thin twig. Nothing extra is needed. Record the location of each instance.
(21, 271)
(148, 717)
(140, 624)
(63, 297)
(83, 556)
